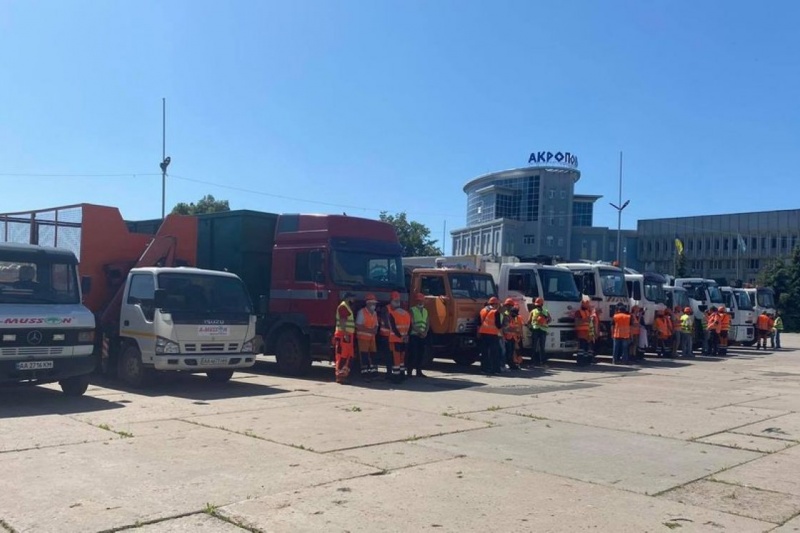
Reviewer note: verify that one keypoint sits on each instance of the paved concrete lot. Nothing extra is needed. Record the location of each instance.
(669, 445)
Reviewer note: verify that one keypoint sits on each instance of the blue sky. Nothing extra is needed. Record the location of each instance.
(361, 106)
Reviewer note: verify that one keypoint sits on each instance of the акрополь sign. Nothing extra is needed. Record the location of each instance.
(559, 158)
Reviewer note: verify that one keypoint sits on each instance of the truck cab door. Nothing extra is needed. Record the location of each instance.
(439, 301)
(138, 313)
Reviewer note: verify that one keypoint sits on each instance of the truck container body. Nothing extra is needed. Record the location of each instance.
(300, 267)
(158, 319)
(46, 334)
(454, 296)
(743, 317)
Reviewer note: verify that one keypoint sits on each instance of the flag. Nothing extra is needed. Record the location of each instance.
(742, 245)
(679, 246)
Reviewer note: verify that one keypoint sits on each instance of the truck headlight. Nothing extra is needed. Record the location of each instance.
(247, 346)
(166, 346)
(86, 337)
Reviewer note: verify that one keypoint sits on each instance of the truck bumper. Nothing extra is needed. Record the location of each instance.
(62, 368)
(205, 362)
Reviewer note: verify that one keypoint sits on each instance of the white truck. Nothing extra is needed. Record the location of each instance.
(46, 334)
(743, 317)
(647, 291)
(762, 299)
(179, 319)
(703, 294)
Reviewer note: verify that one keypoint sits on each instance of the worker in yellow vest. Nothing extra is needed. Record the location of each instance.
(399, 326)
(418, 339)
(366, 332)
(687, 332)
(538, 322)
(344, 337)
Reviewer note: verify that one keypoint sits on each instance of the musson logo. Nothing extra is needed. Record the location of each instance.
(561, 158)
(52, 320)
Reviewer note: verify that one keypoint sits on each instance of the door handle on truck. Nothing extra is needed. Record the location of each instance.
(126, 323)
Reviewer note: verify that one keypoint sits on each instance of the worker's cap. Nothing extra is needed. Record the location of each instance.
(419, 297)
(371, 298)
(395, 295)
(687, 310)
(509, 302)
(493, 300)
(539, 301)
(721, 309)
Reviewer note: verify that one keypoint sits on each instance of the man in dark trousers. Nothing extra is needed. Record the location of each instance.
(489, 336)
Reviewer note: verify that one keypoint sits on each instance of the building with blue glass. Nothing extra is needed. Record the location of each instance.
(534, 211)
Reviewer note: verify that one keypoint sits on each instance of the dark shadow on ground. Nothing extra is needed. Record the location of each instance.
(38, 401)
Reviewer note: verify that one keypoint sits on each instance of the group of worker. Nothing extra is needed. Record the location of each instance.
(500, 334)
(397, 336)
(769, 326)
(626, 331)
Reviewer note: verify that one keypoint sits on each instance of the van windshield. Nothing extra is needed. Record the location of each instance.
(613, 283)
(38, 282)
(471, 285)
(559, 286)
(199, 293)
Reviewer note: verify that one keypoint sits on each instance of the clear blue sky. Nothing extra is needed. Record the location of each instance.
(395, 105)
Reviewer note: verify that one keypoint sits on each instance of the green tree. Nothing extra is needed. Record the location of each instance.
(415, 237)
(681, 270)
(783, 275)
(206, 204)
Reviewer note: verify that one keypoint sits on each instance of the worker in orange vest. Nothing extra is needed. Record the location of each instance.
(512, 334)
(724, 327)
(621, 334)
(366, 331)
(490, 335)
(763, 330)
(399, 326)
(714, 329)
(636, 318)
(662, 326)
(583, 329)
(676, 329)
(343, 337)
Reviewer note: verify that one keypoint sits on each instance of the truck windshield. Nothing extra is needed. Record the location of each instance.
(199, 293)
(366, 269)
(471, 285)
(766, 299)
(559, 286)
(681, 299)
(714, 294)
(654, 292)
(743, 301)
(612, 283)
(38, 282)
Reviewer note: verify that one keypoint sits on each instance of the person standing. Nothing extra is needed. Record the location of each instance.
(633, 348)
(418, 340)
(762, 330)
(539, 321)
(771, 331)
(343, 337)
(512, 334)
(621, 335)
(489, 336)
(676, 330)
(661, 324)
(399, 325)
(778, 326)
(687, 332)
(382, 340)
(706, 331)
(724, 327)
(714, 328)
(366, 332)
(583, 328)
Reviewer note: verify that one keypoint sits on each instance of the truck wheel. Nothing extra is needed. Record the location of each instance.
(465, 359)
(748, 343)
(290, 352)
(75, 386)
(219, 375)
(131, 370)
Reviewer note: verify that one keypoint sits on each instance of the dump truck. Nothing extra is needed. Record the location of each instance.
(46, 334)
(152, 311)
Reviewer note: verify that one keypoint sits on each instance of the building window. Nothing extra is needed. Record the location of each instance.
(716, 244)
(530, 191)
(563, 194)
(774, 242)
(649, 246)
(582, 214)
(794, 241)
(763, 243)
(551, 193)
(529, 239)
(690, 242)
(784, 242)
(699, 245)
(725, 244)
(754, 243)
(560, 241)
(562, 218)
(549, 240)
(708, 244)
(610, 246)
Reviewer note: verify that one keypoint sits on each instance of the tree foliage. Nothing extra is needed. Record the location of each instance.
(206, 204)
(783, 275)
(415, 237)
(681, 266)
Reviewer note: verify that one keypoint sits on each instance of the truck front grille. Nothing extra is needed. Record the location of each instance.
(207, 347)
(25, 351)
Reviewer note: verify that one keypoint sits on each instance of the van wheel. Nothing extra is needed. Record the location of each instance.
(291, 354)
(219, 375)
(74, 386)
(465, 359)
(131, 370)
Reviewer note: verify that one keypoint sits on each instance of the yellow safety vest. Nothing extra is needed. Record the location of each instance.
(350, 323)
(419, 319)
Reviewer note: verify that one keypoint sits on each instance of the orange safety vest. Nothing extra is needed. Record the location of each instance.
(662, 326)
(402, 320)
(714, 322)
(635, 326)
(763, 322)
(370, 321)
(622, 326)
(582, 318)
(725, 321)
(488, 326)
(513, 329)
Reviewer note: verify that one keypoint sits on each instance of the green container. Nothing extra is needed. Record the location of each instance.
(240, 242)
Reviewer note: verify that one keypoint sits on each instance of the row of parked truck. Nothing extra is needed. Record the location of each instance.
(82, 290)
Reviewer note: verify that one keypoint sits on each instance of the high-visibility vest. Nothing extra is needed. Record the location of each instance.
(622, 326)
(383, 324)
(714, 322)
(704, 320)
(402, 321)
(778, 323)
(513, 330)
(662, 326)
(763, 322)
(583, 319)
(368, 320)
(488, 326)
(725, 321)
(635, 326)
(687, 323)
(349, 323)
(419, 320)
(540, 318)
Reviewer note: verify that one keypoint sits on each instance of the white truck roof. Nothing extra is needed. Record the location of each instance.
(185, 270)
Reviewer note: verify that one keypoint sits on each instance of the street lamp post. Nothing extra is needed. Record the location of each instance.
(619, 207)
(165, 161)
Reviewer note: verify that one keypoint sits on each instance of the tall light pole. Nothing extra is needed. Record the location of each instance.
(164, 159)
(619, 207)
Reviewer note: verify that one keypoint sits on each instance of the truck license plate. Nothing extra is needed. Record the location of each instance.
(208, 361)
(213, 331)
(34, 365)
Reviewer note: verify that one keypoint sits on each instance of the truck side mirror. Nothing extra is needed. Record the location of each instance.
(263, 304)
(86, 284)
(160, 299)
